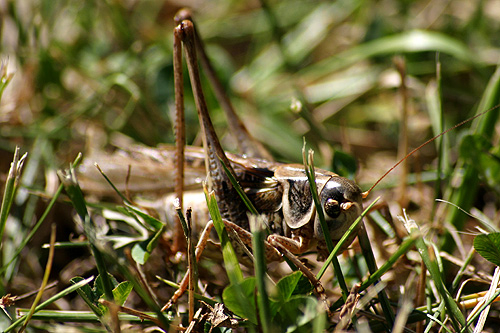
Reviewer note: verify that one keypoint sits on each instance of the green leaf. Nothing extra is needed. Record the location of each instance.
(288, 286)
(298, 313)
(240, 299)
(122, 291)
(488, 246)
(151, 221)
(142, 250)
(88, 296)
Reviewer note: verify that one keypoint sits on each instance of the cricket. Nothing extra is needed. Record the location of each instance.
(250, 166)
(280, 192)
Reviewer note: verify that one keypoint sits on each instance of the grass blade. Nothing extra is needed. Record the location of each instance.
(51, 300)
(258, 247)
(453, 311)
(230, 259)
(70, 183)
(11, 188)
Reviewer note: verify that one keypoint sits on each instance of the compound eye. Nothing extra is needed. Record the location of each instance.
(332, 208)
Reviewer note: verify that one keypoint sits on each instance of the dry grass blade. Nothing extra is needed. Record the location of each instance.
(45, 280)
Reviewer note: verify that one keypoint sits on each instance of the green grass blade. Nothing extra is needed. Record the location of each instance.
(70, 183)
(81, 316)
(258, 247)
(310, 172)
(406, 42)
(238, 189)
(38, 224)
(403, 249)
(335, 251)
(51, 300)
(230, 259)
(453, 311)
(10, 188)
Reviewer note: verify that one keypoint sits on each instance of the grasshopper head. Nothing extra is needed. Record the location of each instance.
(341, 202)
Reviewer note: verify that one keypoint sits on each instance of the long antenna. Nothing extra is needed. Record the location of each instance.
(365, 194)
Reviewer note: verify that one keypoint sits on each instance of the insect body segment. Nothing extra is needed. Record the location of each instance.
(340, 198)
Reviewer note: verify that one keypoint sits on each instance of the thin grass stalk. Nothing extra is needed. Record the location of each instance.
(341, 242)
(68, 179)
(11, 186)
(460, 273)
(453, 311)
(402, 250)
(45, 279)
(238, 189)
(51, 300)
(259, 253)
(196, 295)
(310, 172)
(120, 194)
(81, 316)
(141, 290)
(442, 153)
(33, 231)
(192, 267)
(366, 248)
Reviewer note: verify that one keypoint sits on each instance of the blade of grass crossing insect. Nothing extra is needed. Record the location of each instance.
(231, 262)
(70, 183)
(230, 259)
(240, 191)
(310, 172)
(341, 242)
(258, 236)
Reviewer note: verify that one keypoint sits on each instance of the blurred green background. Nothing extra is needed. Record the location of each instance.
(79, 76)
(85, 71)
